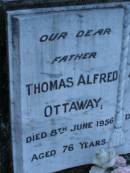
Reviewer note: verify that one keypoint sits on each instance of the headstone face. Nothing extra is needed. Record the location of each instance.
(64, 74)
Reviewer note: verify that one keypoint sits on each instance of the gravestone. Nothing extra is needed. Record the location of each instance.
(64, 77)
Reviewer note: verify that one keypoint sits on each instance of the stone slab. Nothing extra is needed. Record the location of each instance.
(64, 73)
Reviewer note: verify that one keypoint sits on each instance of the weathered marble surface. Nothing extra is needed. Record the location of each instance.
(40, 120)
